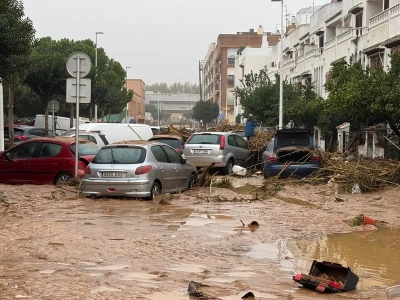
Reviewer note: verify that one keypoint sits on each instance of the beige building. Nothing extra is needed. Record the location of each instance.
(136, 108)
(219, 69)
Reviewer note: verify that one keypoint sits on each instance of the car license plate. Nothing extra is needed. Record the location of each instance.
(113, 174)
(201, 151)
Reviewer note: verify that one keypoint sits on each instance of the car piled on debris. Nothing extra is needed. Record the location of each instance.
(291, 152)
(223, 149)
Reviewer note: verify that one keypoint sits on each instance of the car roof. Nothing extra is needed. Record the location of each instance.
(166, 136)
(214, 132)
(135, 143)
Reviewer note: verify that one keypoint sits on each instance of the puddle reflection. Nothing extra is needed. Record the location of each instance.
(372, 255)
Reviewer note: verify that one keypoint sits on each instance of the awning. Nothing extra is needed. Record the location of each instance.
(392, 42)
(306, 73)
(342, 59)
(333, 16)
(356, 9)
(373, 49)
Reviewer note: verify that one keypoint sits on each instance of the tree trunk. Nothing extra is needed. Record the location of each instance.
(11, 91)
(91, 106)
(102, 114)
(46, 121)
(71, 115)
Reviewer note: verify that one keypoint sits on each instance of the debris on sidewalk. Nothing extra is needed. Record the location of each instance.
(327, 276)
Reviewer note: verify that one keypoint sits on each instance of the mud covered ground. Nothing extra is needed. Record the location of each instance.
(55, 245)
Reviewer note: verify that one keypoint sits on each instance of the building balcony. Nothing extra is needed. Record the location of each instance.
(309, 54)
(330, 44)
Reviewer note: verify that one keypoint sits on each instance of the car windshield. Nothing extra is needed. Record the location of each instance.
(204, 139)
(174, 143)
(86, 148)
(293, 139)
(120, 155)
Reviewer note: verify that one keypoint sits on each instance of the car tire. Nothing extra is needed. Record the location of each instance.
(63, 178)
(192, 180)
(155, 189)
(228, 168)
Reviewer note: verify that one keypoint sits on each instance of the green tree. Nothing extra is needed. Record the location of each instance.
(363, 97)
(151, 109)
(187, 114)
(206, 111)
(16, 38)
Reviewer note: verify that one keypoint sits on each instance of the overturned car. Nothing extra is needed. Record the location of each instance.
(291, 152)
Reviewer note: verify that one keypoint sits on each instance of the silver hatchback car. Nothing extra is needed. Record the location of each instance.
(225, 149)
(137, 169)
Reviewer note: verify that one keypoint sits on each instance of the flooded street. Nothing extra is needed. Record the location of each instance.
(55, 245)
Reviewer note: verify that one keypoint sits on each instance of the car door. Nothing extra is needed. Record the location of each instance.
(176, 163)
(163, 164)
(244, 154)
(46, 164)
(16, 165)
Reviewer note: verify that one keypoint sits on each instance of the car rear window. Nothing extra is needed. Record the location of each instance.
(174, 143)
(204, 139)
(293, 139)
(120, 155)
(17, 131)
(86, 148)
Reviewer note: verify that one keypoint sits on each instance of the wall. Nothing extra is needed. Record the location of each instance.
(136, 107)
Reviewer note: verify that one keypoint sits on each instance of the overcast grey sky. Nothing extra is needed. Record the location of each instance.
(161, 40)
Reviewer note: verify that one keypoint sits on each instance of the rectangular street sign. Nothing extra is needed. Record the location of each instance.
(84, 90)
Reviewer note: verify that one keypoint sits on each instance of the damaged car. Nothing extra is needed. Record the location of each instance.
(291, 152)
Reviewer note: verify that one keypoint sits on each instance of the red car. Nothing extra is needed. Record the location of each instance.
(45, 160)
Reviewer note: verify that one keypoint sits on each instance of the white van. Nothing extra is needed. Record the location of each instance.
(60, 125)
(116, 132)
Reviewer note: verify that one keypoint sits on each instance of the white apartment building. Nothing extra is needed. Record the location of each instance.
(351, 30)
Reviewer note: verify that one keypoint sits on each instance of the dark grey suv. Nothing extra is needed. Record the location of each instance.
(23, 133)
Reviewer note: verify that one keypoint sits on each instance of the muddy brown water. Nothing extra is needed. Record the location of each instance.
(117, 249)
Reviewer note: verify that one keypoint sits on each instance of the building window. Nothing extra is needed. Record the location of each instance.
(231, 79)
(231, 60)
(321, 41)
(375, 62)
(359, 18)
(385, 4)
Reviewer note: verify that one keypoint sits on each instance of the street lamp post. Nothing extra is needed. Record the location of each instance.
(126, 85)
(95, 64)
(281, 70)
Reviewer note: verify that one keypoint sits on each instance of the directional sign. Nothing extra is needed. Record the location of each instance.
(85, 64)
(53, 106)
(85, 86)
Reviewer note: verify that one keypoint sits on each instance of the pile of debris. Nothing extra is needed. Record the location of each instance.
(180, 131)
(260, 140)
(365, 173)
(226, 127)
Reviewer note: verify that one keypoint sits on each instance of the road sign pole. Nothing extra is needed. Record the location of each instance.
(78, 76)
(52, 120)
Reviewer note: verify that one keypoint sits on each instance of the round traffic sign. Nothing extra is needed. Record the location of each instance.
(53, 106)
(85, 64)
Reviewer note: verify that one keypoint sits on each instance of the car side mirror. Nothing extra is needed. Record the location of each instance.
(183, 160)
(7, 157)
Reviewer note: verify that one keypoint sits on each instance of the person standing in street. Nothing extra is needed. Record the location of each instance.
(249, 128)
